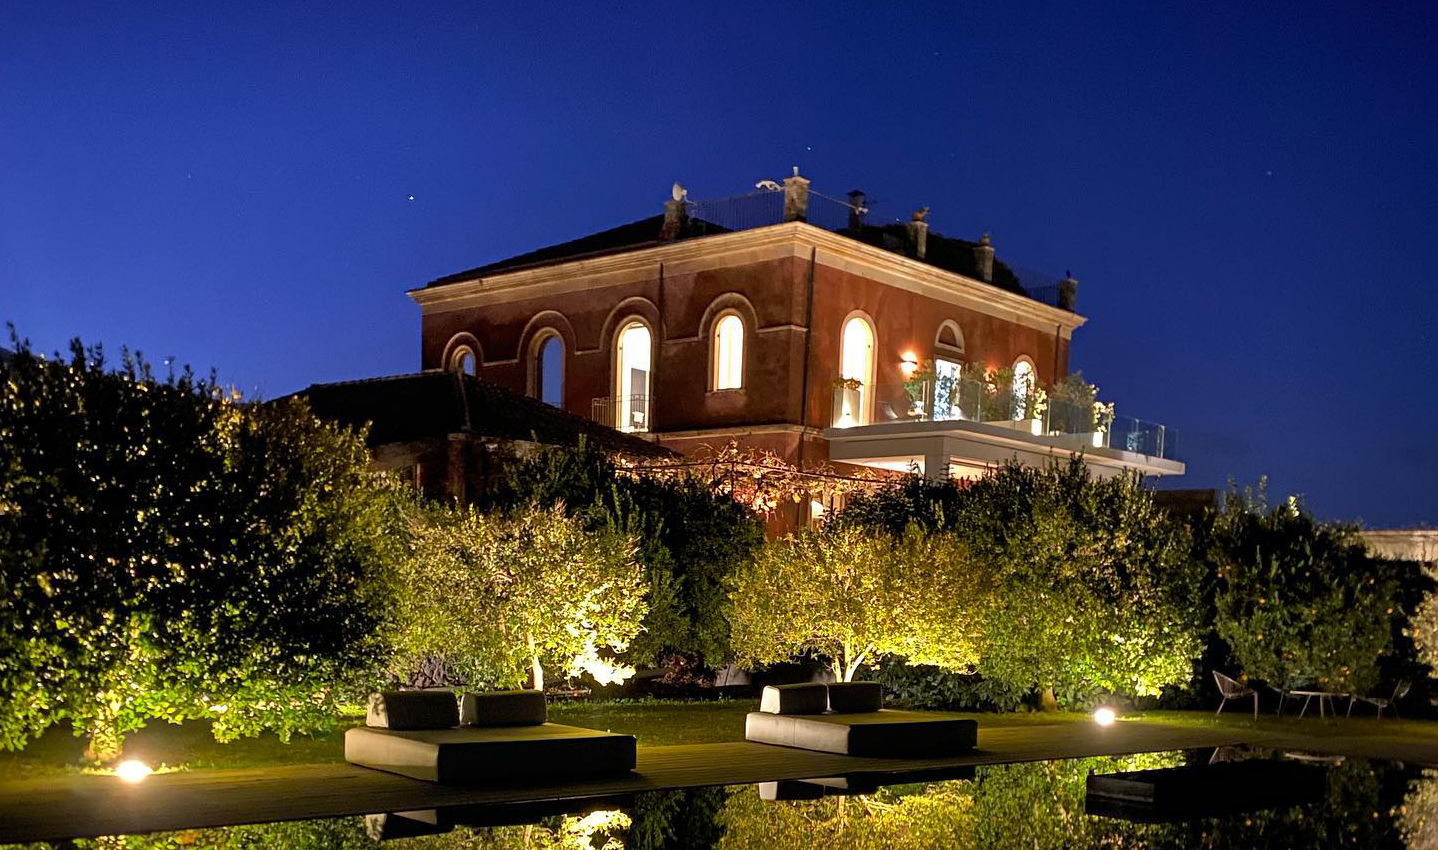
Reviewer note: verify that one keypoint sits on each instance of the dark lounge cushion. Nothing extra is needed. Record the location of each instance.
(794, 699)
(412, 710)
(502, 708)
(500, 752)
(884, 733)
(855, 697)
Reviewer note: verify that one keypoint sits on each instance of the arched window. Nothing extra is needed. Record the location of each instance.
(548, 369)
(464, 360)
(728, 348)
(633, 360)
(950, 338)
(856, 367)
(1024, 383)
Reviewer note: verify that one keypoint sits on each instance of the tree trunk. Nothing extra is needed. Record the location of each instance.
(1047, 699)
(536, 672)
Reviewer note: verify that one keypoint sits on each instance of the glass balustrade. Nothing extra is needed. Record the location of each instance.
(1080, 424)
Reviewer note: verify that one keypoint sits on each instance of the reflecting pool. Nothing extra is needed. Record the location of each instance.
(1197, 799)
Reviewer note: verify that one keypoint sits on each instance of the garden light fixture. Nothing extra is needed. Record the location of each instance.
(1104, 716)
(133, 770)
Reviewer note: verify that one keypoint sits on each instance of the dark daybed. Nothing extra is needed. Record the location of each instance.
(505, 736)
(849, 719)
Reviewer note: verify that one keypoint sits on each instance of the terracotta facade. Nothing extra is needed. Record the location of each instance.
(793, 286)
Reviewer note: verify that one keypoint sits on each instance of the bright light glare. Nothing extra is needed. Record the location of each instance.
(1104, 716)
(132, 770)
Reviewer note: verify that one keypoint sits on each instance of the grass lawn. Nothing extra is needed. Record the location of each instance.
(660, 723)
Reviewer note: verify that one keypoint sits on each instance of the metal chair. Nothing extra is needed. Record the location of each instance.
(1399, 692)
(1233, 689)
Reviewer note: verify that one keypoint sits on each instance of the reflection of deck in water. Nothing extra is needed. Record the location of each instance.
(85, 806)
(1203, 790)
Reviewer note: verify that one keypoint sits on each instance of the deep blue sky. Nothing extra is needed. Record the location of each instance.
(1247, 195)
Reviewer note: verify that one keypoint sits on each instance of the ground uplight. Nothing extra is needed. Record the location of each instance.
(133, 770)
(1104, 716)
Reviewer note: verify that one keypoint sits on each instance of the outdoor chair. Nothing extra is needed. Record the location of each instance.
(1399, 692)
(1233, 689)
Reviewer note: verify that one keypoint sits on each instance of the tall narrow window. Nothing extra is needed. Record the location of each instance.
(633, 360)
(728, 348)
(948, 389)
(464, 361)
(856, 368)
(1023, 389)
(549, 370)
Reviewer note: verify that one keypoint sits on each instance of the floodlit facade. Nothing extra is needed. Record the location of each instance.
(788, 321)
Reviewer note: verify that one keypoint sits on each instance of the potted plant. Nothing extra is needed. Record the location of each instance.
(1074, 410)
(848, 402)
(919, 387)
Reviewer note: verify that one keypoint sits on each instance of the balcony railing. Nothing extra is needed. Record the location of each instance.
(1065, 422)
(625, 412)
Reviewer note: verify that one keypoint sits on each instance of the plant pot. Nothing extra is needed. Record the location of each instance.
(1028, 426)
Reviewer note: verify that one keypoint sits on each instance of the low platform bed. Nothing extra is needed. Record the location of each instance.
(788, 718)
(506, 736)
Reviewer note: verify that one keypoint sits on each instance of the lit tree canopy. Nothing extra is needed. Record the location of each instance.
(168, 552)
(498, 596)
(1091, 586)
(690, 538)
(853, 596)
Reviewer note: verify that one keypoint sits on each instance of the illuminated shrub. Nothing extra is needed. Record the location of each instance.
(170, 552)
(690, 540)
(1092, 584)
(1300, 601)
(494, 598)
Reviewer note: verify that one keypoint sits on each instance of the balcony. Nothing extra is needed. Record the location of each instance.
(629, 413)
(874, 424)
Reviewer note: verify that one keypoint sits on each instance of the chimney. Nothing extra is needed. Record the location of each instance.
(984, 259)
(1068, 292)
(676, 214)
(856, 211)
(796, 197)
(918, 229)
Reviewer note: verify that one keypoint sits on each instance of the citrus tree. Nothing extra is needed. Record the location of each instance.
(853, 597)
(168, 552)
(496, 597)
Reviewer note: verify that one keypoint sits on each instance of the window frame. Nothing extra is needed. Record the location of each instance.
(716, 352)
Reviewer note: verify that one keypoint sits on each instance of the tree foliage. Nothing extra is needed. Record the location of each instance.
(853, 597)
(497, 597)
(690, 539)
(167, 552)
(1091, 585)
(1300, 601)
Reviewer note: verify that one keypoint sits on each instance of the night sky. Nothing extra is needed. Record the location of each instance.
(1248, 196)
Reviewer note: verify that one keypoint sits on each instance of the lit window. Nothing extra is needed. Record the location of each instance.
(549, 370)
(633, 361)
(1023, 388)
(856, 365)
(948, 389)
(729, 353)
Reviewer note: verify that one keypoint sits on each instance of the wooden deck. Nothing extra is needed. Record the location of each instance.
(85, 806)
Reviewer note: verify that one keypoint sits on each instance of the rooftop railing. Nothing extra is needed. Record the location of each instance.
(1064, 422)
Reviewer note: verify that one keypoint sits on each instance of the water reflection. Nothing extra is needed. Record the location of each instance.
(1033, 806)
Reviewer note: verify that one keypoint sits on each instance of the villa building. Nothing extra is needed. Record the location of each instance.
(787, 321)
